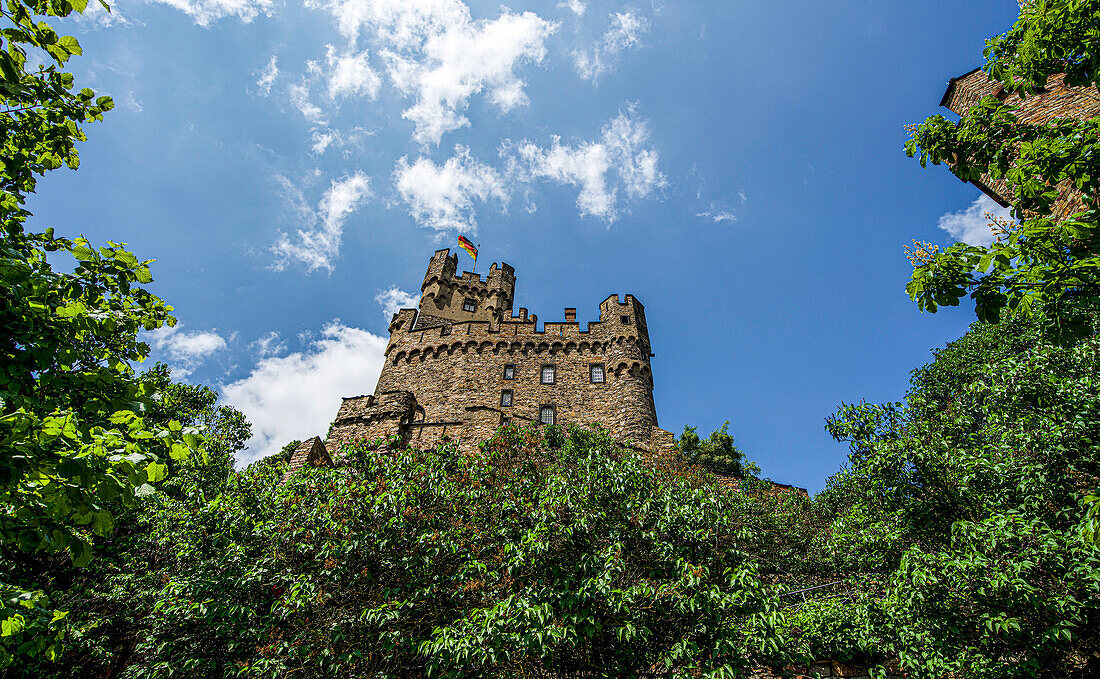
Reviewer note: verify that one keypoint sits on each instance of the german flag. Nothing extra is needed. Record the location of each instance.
(467, 246)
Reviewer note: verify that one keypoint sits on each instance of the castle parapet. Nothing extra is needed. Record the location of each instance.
(380, 416)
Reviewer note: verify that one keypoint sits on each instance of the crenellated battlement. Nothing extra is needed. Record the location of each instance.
(464, 362)
(449, 297)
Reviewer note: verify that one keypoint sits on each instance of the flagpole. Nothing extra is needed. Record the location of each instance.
(478, 251)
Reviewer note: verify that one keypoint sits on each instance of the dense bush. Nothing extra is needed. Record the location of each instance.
(529, 557)
(968, 509)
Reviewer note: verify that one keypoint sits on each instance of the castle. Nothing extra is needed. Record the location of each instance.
(464, 363)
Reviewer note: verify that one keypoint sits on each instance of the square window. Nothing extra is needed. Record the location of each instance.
(625, 320)
(595, 373)
(547, 374)
(506, 398)
(546, 414)
(469, 304)
(509, 372)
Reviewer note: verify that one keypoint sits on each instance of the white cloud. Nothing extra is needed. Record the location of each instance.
(462, 61)
(97, 14)
(438, 55)
(269, 344)
(401, 24)
(621, 159)
(206, 12)
(718, 214)
(297, 396)
(183, 351)
(131, 102)
(299, 97)
(575, 6)
(623, 33)
(441, 196)
(322, 139)
(971, 225)
(319, 243)
(268, 75)
(393, 300)
(351, 75)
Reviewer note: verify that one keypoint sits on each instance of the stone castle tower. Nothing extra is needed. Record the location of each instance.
(464, 362)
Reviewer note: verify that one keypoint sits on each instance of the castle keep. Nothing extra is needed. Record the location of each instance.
(464, 362)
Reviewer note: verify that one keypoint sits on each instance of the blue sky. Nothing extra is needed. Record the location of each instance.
(737, 166)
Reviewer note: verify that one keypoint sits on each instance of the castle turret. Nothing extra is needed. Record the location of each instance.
(447, 298)
(628, 357)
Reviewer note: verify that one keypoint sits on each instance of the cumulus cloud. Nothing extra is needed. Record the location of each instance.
(620, 159)
(442, 197)
(575, 6)
(393, 300)
(299, 97)
(183, 351)
(462, 61)
(269, 344)
(322, 139)
(351, 75)
(296, 396)
(400, 24)
(971, 224)
(438, 55)
(623, 33)
(268, 75)
(318, 243)
(206, 12)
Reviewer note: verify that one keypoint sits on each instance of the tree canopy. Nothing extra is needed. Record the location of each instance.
(76, 448)
(1049, 260)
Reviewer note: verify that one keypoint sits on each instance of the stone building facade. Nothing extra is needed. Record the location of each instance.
(465, 362)
(1057, 100)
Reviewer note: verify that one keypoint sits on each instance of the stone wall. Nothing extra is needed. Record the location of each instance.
(1056, 101)
(374, 417)
(444, 373)
(457, 369)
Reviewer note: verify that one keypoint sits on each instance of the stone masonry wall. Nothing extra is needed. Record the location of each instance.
(444, 373)
(459, 369)
(1057, 101)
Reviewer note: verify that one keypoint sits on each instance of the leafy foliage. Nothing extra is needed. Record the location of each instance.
(717, 453)
(1049, 260)
(972, 497)
(527, 558)
(76, 449)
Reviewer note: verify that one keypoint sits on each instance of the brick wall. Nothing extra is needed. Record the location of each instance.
(1057, 101)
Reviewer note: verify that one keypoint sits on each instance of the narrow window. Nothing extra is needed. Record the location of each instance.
(625, 320)
(547, 374)
(595, 373)
(445, 331)
(469, 304)
(506, 398)
(509, 372)
(546, 414)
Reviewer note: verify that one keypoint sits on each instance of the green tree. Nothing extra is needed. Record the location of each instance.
(74, 448)
(535, 556)
(717, 453)
(1049, 261)
(970, 508)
